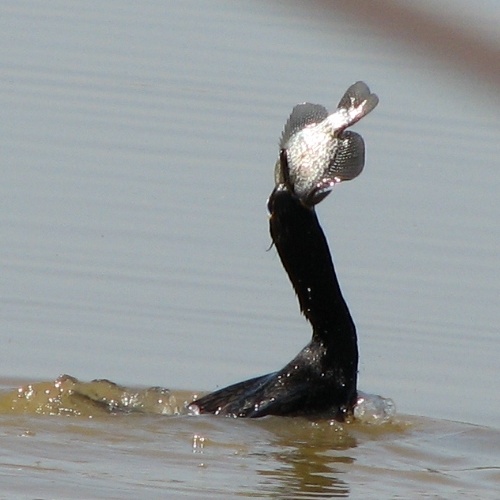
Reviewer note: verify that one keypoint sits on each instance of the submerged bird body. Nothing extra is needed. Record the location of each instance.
(322, 378)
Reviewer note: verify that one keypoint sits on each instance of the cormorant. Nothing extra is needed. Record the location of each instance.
(316, 152)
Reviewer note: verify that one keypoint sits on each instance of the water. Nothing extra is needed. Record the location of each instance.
(138, 145)
(94, 454)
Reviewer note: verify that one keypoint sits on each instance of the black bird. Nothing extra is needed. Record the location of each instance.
(315, 153)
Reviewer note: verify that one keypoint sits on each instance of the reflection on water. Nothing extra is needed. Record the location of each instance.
(307, 464)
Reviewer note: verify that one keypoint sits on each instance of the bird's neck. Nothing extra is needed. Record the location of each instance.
(305, 255)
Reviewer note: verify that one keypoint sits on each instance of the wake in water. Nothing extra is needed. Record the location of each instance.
(67, 396)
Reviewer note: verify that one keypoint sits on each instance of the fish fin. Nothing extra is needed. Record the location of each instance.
(346, 164)
(349, 158)
(302, 115)
(357, 101)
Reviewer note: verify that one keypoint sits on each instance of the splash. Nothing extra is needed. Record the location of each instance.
(66, 395)
(372, 409)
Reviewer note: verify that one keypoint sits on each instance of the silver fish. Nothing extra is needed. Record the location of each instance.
(316, 152)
